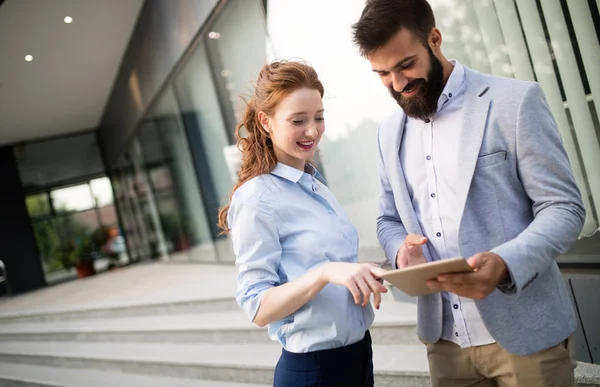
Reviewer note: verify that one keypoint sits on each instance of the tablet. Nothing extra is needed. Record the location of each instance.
(412, 280)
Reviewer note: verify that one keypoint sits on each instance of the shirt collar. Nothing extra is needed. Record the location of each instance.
(290, 173)
(294, 175)
(454, 84)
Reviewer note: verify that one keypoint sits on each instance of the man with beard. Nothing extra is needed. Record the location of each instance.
(472, 165)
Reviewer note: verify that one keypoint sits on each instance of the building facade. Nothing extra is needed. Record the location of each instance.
(165, 138)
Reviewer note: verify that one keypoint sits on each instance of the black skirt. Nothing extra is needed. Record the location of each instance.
(349, 366)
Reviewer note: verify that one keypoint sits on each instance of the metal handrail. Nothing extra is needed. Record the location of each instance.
(4, 278)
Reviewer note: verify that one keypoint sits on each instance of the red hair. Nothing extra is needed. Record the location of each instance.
(275, 81)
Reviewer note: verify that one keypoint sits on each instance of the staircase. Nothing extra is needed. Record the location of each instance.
(204, 343)
(179, 342)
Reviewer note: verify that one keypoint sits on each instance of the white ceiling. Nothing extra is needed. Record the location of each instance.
(66, 86)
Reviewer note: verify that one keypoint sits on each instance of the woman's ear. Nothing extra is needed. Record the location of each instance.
(265, 121)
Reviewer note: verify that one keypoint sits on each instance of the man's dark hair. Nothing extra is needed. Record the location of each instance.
(382, 19)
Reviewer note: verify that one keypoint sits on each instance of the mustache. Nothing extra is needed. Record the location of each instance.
(409, 86)
(412, 84)
(397, 95)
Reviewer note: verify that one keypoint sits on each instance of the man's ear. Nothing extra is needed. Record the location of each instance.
(435, 40)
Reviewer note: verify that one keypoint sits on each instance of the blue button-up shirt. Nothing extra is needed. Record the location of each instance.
(284, 224)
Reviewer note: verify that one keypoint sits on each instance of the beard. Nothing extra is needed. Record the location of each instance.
(424, 103)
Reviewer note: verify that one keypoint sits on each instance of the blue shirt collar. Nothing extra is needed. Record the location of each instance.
(289, 173)
(294, 175)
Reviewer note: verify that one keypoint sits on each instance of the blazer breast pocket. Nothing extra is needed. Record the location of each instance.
(491, 159)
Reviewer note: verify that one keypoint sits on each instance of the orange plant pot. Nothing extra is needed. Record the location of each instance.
(85, 269)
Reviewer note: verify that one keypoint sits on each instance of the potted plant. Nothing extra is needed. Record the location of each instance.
(81, 252)
(102, 237)
(78, 255)
(83, 257)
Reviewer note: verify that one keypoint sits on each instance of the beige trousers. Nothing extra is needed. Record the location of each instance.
(493, 366)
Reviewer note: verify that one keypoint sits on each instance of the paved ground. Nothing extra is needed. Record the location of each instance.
(136, 284)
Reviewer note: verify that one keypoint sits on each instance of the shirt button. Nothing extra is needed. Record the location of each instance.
(455, 306)
(432, 194)
(438, 234)
(449, 95)
(428, 157)
(427, 120)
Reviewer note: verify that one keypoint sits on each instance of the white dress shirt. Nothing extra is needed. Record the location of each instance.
(429, 158)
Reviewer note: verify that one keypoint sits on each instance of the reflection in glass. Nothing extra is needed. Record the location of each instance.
(76, 198)
(203, 118)
(38, 205)
(208, 91)
(131, 227)
(170, 170)
(241, 49)
(66, 218)
(102, 191)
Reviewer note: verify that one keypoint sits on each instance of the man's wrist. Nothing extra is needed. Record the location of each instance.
(505, 282)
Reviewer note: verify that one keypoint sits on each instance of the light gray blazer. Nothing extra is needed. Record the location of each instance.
(518, 199)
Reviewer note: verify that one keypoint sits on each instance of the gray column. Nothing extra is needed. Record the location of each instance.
(578, 105)
(546, 76)
(515, 42)
(472, 38)
(492, 38)
(449, 22)
(589, 48)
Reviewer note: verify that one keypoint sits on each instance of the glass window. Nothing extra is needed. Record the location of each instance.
(108, 216)
(143, 207)
(38, 205)
(48, 241)
(239, 48)
(76, 198)
(171, 172)
(80, 223)
(223, 67)
(102, 191)
(76, 216)
(204, 120)
(135, 236)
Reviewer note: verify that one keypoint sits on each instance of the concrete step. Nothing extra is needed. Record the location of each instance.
(118, 310)
(139, 308)
(395, 365)
(395, 323)
(22, 375)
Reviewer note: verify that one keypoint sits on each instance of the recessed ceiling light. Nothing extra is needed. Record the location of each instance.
(68, 20)
(28, 58)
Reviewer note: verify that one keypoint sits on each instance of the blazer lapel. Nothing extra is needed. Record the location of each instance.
(394, 132)
(475, 110)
